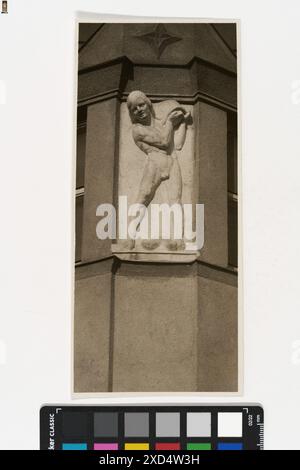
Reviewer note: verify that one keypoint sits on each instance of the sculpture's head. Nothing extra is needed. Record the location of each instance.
(140, 107)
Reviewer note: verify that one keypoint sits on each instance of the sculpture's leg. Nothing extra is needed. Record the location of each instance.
(150, 181)
(175, 183)
(174, 188)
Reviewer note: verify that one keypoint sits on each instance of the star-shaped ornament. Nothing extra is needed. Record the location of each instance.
(158, 39)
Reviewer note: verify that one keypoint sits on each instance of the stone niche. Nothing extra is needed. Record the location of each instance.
(131, 170)
(156, 320)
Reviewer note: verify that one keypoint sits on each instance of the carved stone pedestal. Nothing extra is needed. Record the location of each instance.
(155, 256)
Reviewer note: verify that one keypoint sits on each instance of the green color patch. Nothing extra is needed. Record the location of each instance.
(196, 446)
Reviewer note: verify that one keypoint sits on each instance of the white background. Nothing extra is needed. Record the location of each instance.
(37, 66)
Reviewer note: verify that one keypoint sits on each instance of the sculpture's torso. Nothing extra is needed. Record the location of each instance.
(161, 158)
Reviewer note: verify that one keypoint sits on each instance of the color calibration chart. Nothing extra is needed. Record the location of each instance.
(151, 428)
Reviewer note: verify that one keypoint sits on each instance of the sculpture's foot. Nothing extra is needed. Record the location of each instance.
(150, 244)
(126, 245)
(175, 245)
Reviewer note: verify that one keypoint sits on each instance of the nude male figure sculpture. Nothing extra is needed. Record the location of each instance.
(156, 138)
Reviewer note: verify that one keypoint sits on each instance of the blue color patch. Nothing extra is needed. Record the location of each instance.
(74, 446)
(230, 446)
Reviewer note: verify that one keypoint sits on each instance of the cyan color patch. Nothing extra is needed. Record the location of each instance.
(74, 446)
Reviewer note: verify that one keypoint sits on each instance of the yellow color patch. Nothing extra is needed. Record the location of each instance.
(136, 446)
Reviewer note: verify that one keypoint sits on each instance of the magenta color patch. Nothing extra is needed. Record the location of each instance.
(106, 446)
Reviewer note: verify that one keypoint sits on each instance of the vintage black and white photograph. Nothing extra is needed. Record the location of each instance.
(156, 256)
